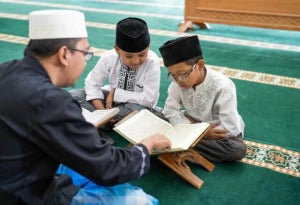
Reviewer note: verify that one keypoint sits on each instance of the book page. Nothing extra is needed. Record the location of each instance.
(99, 116)
(183, 135)
(142, 125)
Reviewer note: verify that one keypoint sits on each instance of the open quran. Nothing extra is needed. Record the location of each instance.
(144, 123)
(141, 124)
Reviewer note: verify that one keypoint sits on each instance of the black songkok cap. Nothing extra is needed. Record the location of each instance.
(132, 35)
(180, 50)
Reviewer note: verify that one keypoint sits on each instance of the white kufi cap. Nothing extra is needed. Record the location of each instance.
(53, 24)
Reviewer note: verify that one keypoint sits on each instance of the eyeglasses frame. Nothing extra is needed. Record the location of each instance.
(182, 76)
(88, 55)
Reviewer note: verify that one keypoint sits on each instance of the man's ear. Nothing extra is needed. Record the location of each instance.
(63, 55)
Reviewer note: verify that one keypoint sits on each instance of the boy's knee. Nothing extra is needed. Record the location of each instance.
(239, 152)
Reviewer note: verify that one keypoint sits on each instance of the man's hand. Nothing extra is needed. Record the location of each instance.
(110, 99)
(215, 133)
(156, 142)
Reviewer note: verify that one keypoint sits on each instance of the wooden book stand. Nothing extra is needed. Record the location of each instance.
(176, 161)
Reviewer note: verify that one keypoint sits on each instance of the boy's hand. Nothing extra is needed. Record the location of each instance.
(110, 99)
(215, 133)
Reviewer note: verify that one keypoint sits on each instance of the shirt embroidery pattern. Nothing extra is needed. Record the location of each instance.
(127, 78)
(202, 98)
(196, 101)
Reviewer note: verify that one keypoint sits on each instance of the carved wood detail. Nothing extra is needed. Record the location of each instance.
(284, 14)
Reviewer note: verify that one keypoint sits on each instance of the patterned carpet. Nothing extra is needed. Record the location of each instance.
(263, 63)
(272, 157)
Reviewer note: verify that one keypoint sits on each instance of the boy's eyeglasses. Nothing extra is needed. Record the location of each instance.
(88, 55)
(182, 77)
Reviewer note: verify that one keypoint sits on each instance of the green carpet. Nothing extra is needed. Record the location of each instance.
(263, 63)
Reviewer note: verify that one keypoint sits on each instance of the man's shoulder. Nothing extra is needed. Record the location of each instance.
(7, 64)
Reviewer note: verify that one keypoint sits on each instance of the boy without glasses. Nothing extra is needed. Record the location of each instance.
(199, 94)
(132, 71)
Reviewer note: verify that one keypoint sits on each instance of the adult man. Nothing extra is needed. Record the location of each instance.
(41, 125)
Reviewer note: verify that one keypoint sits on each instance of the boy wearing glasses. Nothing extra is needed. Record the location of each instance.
(131, 69)
(199, 94)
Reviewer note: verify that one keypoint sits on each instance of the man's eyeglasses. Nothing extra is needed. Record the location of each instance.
(182, 77)
(88, 55)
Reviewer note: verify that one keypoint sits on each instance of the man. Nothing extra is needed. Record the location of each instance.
(41, 125)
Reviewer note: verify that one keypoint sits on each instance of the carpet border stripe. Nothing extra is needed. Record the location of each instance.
(174, 34)
(239, 74)
(272, 157)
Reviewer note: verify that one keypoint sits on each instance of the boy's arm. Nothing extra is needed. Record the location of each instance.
(94, 81)
(110, 98)
(229, 118)
(147, 91)
(98, 104)
(172, 109)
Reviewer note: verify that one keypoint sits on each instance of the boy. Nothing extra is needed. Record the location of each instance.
(199, 94)
(132, 70)
(51, 129)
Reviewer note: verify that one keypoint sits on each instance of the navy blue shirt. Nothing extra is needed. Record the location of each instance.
(41, 126)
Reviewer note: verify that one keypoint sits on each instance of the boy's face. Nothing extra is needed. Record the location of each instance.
(133, 60)
(187, 76)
